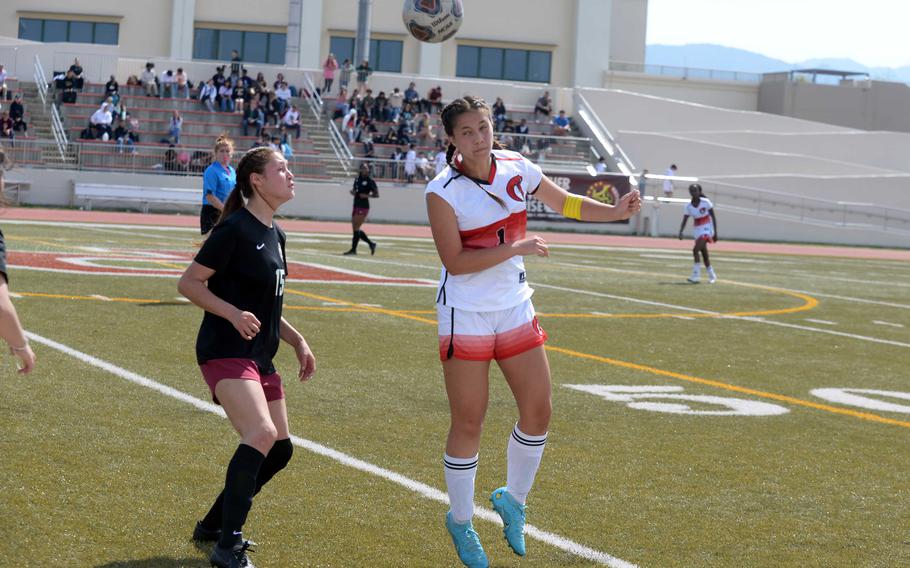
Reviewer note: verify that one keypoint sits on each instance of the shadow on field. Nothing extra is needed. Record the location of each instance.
(159, 562)
(683, 283)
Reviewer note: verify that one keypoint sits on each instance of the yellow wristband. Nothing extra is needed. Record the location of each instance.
(571, 209)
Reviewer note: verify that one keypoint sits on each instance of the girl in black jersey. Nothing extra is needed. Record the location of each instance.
(364, 188)
(238, 279)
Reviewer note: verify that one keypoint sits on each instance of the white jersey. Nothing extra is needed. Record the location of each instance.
(484, 223)
(701, 215)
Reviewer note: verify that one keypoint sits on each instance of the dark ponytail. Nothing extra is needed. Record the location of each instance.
(450, 114)
(252, 162)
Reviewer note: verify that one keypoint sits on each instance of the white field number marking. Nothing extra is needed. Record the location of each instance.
(637, 397)
(854, 397)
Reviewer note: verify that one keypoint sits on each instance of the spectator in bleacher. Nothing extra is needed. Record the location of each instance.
(76, 68)
(207, 95)
(133, 81)
(218, 79)
(248, 83)
(122, 136)
(600, 166)
(226, 96)
(668, 183)
(167, 84)
(101, 121)
(561, 124)
(175, 126)
(170, 159)
(435, 99)
(425, 134)
(363, 75)
(344, 75)
(236, 64)
(284, 146)
(543, 106)
(349, 124)
(367, 104)
(521, 141)
(6, 126)
(253, 116)
(111, 88)
(3, 88)
(396, 101)
(68, 87)
(499, 114)
(410, 163)
(17, 114)
(283, 94)
(506, 138)
(149, 80)
(411, 96)
(279, 79)
(422, 165)
(341, 106)
(291, 120)
(369, 148)
(262, 85)
(405, 131)
(218, 181)
(239, 95)
(274, 108)
(132, 123)
(182, 83)
(381, 108)
(397, 158)
(328, 73)
(440, 161)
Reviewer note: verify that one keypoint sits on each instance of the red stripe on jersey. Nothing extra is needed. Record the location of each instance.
(513, 229)
(702, 220)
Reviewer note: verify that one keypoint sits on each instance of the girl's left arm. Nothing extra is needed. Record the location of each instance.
(592, 211)
(301, 348)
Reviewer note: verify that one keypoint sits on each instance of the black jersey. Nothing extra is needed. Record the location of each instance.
(363, 185)
(3, 255)
(249, 263)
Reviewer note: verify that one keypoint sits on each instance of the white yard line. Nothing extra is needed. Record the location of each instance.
(823, 322)
(888, 323)
(421, 489)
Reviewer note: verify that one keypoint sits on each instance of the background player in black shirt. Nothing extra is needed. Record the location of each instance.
(364, 188)
(238, 279)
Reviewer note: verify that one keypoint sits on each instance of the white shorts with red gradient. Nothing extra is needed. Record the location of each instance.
(484, 336)
(705, 232)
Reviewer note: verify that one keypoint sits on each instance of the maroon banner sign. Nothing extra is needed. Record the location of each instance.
(606, 188)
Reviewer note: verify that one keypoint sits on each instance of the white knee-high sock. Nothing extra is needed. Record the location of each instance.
(460, 473)
(523, 454)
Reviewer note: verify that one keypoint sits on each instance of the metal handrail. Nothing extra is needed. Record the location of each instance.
(686, 72)
(340, 147)
(40, 81)
(602, 134)
(314, 101)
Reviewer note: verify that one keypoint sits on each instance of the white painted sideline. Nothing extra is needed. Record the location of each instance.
(345, 459)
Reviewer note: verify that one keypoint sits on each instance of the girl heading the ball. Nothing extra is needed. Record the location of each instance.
(478, 216)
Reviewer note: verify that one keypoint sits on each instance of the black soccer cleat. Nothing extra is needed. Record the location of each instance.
(232, 557)
(372, 249)
(350, 252)
(202, 534)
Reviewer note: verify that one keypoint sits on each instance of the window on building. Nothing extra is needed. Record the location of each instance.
(75, 31)
(254, 47)
(385, 54)
(503, 64)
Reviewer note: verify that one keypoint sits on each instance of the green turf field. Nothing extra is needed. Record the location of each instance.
(102, 466)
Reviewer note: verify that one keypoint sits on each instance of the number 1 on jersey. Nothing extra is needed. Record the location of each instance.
(501, 233)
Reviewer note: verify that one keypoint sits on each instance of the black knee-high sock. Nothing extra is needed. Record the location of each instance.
(365, 238)
(239, 487)
(275, 461)
(355, 239)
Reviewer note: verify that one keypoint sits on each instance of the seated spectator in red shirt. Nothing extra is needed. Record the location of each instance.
(6, 126)
(435, 98)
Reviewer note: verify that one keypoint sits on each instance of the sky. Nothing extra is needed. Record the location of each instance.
(875, 33)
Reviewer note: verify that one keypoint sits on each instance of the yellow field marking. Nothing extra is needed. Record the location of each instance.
(94, 298)
(170, 264)
(647, 369)
(46, 243)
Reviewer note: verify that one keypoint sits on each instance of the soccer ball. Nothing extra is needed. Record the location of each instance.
(432, 21)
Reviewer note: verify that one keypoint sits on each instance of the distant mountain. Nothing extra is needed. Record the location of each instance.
(710, 56)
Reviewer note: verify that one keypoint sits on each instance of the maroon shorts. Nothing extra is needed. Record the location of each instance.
(361, 211)
(215, 370)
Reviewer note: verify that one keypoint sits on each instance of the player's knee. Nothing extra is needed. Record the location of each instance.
(262, 437)
(536, 417)
(468, 426)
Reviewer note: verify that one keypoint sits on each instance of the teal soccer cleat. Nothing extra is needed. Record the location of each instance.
(467, 543)
(513, 519)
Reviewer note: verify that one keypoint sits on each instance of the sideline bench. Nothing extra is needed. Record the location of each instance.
(88, 193)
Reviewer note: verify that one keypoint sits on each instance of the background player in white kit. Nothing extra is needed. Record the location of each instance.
(702, 212)
(478, 216)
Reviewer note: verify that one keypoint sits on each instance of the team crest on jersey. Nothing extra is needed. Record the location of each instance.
(513, 188)
(430, 7)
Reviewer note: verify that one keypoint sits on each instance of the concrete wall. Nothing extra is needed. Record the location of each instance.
(735, 95)
(869, 105)
(628, 29)
(890, 191)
